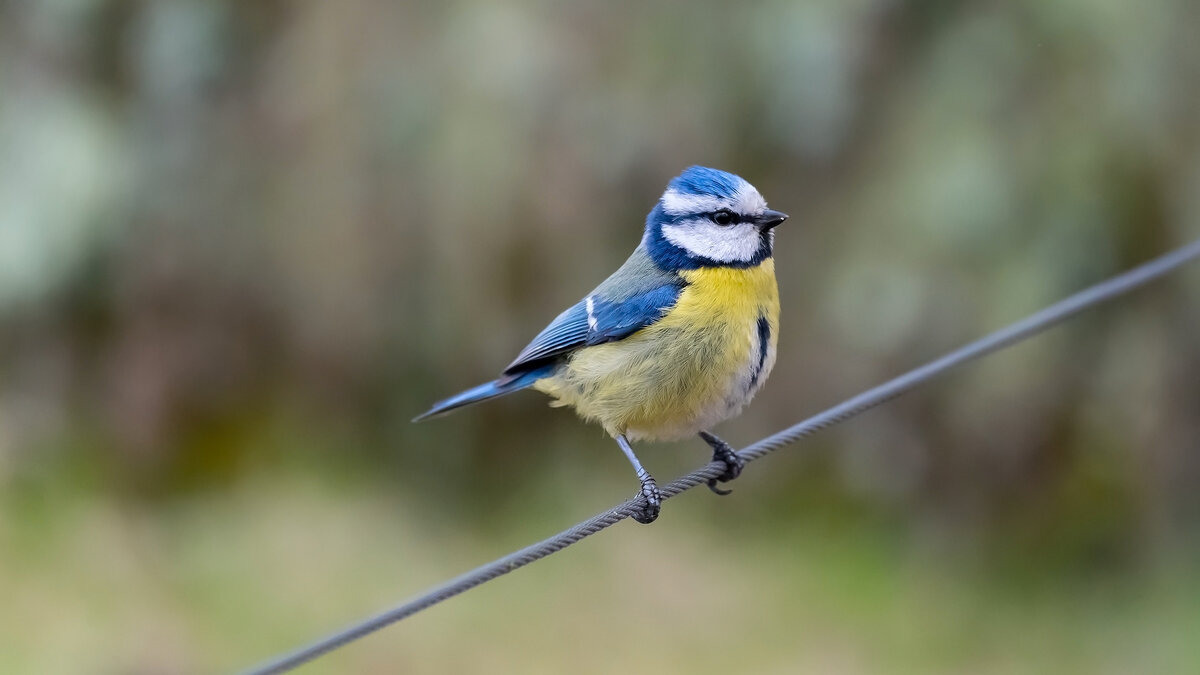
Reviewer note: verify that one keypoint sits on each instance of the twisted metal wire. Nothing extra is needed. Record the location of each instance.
(852, 407)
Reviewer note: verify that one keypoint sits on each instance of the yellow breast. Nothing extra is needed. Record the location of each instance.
(697, 366)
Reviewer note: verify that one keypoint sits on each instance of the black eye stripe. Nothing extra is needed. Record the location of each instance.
(724, 217)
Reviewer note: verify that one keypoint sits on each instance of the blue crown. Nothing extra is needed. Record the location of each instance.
(701, 180)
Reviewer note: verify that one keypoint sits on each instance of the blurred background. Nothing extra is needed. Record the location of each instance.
(243, 243)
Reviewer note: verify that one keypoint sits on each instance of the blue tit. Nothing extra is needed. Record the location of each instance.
(677, 340)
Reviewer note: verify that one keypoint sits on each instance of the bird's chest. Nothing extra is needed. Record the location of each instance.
(729, 321)
(709, 355)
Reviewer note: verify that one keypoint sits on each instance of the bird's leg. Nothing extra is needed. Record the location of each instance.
(649, 488)
(722, 452)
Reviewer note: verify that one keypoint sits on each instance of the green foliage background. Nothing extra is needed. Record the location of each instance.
(243, 243)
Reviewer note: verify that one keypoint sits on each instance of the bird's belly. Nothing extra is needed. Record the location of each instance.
(694, 368)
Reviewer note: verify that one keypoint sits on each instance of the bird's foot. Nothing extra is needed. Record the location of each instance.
(653, 505)
(725, 454)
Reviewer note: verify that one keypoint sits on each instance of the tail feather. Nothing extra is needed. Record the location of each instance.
(485, 391)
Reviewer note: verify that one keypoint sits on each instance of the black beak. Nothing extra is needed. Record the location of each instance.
(768, 219)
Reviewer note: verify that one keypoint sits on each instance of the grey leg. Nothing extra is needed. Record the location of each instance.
(649, 487)
(722, 452)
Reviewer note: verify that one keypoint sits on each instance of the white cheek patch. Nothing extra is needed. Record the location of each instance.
(728, 244)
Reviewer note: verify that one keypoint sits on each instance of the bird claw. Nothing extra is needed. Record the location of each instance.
(723, 453)
(712, 485)
(653, 497)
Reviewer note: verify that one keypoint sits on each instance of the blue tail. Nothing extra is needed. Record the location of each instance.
(499, 387)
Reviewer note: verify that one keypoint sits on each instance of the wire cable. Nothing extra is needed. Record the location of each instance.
(1009, 335)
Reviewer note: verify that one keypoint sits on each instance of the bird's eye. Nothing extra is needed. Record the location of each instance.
(723, 217)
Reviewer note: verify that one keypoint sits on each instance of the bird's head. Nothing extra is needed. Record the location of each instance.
(710, 218)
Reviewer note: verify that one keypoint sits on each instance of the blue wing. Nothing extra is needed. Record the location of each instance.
(607, 321)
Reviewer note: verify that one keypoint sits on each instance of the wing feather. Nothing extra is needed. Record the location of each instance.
(564, 333)
(609, 320)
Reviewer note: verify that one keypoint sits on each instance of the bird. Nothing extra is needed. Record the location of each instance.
(680, 338)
